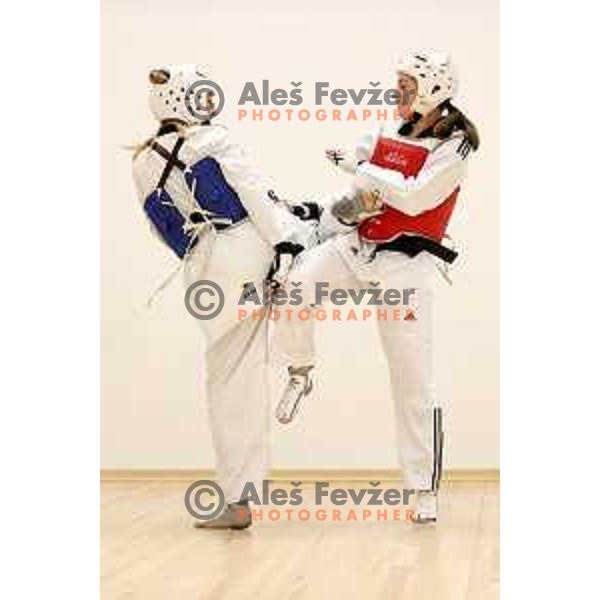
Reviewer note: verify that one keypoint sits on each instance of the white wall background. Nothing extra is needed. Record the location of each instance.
(153, 412)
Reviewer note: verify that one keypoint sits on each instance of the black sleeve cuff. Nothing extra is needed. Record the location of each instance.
(289, 248)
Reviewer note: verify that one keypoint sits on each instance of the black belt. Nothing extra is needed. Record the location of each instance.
(411, 245)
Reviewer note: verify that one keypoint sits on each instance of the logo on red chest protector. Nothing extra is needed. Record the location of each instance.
(407, 159)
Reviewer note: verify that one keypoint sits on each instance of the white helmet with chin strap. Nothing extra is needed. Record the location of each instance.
(435, 76)
(171, 91)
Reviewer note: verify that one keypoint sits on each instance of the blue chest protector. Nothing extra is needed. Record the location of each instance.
(216, 201)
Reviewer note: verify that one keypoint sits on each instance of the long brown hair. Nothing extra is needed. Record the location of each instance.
(164, 128)
(453, 119)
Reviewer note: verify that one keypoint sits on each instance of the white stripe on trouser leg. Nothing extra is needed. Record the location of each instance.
(238, 400)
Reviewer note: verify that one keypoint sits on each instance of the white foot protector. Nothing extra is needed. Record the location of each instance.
(299, 386)
(425, 510)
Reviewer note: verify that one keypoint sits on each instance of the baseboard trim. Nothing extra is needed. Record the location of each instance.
(292, 474)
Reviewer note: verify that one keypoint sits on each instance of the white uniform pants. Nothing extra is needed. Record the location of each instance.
(407, 343)
(236, 362)
(238, 402)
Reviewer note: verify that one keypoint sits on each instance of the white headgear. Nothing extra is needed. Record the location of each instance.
(435, 76)
(168, 88)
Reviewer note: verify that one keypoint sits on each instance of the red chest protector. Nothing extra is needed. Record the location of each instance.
(408, 159)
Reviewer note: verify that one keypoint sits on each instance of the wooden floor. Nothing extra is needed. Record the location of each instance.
(149, 550)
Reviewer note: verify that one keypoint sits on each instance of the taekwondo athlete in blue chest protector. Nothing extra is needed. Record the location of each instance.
(205, 201)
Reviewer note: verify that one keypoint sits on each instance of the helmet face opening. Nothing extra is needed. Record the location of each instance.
(205, 101)
(407, 84)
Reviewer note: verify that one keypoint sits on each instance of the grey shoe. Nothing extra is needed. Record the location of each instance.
(236, 515)
(299, 386)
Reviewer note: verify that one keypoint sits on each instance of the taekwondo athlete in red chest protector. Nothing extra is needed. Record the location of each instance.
(389, 227)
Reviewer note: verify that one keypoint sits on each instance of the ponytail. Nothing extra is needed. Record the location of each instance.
(167, 126)
(453, 120)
